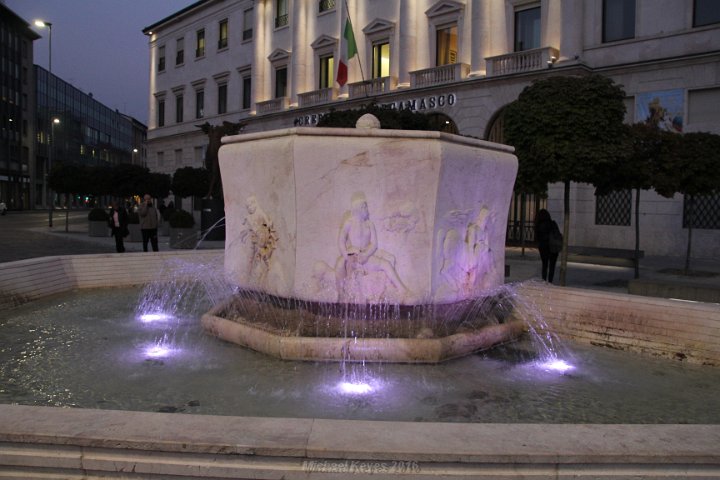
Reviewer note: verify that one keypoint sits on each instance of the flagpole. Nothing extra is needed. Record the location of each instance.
(347, 10)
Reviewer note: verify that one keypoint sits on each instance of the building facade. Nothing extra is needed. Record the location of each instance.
(17, 109)
(72, 128)
(271, 64)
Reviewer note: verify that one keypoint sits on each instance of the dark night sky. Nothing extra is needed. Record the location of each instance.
(98, 45)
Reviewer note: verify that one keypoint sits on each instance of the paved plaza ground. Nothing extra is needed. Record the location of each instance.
(27, 235)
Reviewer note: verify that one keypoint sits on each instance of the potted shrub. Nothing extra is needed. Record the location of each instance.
(98, 223)
(134, 227)
(182, 231)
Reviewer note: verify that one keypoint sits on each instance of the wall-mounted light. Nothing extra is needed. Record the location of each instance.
(551, 61)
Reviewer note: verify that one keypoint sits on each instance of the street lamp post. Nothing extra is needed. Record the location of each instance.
(43, 24)
(134, 154)
(51, 147)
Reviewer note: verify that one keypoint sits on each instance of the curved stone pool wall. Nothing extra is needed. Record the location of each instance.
(46, 442)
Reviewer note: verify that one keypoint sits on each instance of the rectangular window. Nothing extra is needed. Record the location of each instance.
(180, 52)
(706, 12)
(281, 82)
(281, 13)
(325, 5)
(618, 20)
(161, 113)
(614, 208)
(200, 43)
(222, 98)
(161, 59)
(247, 24)
(199, 104)
(247, 92)
(160, 159)
(705, 212)
(222, 34)
(381, 60)
(527, 29)
(178, 157)
(178, 109)
(447, 45)
(326, 72)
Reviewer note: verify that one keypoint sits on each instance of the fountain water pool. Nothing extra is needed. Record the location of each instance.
(95, 350)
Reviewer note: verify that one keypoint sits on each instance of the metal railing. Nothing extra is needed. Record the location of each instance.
(281, 20)
(325, 5)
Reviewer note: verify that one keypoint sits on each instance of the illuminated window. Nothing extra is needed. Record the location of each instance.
(381, 60)
(447, 45)
(222, 34)
(326, 71)
(200, 43)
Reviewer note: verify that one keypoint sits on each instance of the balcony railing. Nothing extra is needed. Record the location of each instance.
(271, 106)
(281, 20)
(519, 62)
(325, 5)
(439, 75)
(317, 97)
(376, 86)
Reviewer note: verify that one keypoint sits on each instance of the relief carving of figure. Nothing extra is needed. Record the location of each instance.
(259, 232)
(360, 257)
(467, 261)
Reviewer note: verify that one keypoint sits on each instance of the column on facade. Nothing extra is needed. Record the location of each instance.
(498, 28)
(480, 35)
(299, 52)
(570, 44)
(260, 64)
(407, 49)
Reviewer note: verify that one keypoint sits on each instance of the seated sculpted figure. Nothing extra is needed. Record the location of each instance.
(359, 250)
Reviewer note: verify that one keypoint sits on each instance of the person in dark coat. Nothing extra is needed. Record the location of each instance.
(544, 224)
(119, 225)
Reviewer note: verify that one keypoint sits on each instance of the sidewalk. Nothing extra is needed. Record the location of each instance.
(524, 265)
(653, 269)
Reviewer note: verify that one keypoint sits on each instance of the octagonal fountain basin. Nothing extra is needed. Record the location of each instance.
(381, 242)
(299, 330)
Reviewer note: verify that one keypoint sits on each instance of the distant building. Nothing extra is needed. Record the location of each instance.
(17, 125)
(75, 129)
(272, 63)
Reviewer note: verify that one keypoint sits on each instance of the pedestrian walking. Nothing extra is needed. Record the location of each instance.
(546, 235)
(149, 223)
(119, 225)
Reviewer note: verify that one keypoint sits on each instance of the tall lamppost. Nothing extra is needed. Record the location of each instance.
(51, 147)
(43, 24)
(134, 154)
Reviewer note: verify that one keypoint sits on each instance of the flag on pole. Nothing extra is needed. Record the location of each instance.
(348, 49)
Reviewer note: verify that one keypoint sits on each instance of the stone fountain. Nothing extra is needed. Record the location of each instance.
(365, 244)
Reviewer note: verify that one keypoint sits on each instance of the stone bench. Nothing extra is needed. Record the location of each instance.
(617, 257)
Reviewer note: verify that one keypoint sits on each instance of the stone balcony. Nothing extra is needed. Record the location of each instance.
(429, 77)
(317, 97)
(272, 106)
(519, 62)
(376, 86)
